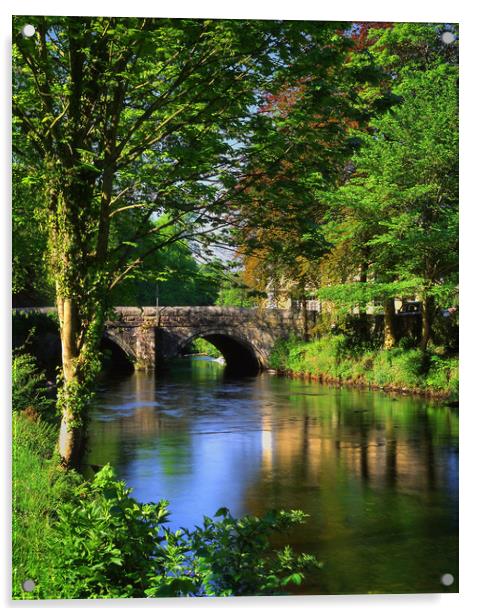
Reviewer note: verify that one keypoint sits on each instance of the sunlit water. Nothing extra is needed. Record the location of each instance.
(377, 474)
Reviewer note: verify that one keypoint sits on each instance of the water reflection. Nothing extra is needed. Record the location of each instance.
(377, 475)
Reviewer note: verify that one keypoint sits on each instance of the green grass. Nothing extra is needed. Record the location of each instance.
(39, 487)
(332, 357)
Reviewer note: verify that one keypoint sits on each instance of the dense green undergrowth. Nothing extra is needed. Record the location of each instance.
(90, 539)
(334, 358)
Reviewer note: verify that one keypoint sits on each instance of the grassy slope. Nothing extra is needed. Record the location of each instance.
(331, 358)
(38, 488)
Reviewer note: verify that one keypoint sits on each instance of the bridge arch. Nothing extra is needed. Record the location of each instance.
(241, 355)
(120, 354)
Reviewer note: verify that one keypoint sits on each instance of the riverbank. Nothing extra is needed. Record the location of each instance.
(334, 360)
(39, 488)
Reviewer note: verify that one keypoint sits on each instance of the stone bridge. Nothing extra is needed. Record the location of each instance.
(244, 336)
(148, 336)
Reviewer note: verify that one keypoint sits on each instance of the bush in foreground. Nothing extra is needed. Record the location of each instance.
(99, 542)
(113, 546)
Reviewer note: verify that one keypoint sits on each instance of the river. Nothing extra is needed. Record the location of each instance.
(377, 474)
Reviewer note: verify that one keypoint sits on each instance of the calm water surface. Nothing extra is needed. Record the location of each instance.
(378, 475)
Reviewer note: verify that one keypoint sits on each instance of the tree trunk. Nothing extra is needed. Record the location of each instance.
(70, 440)
(80, 297)
(362, 316)
(428, 309)
(305, 317)
(389, 335)
(71, 433)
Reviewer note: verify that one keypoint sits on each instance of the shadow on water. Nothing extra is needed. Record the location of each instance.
(378, 477)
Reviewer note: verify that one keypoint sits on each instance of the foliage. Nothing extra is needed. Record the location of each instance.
(404, 208)
(176, 94)
(363, 295)
(171, 276)
(204, 347)
(28, 387)
(336, 358)
(234, 556)
(316, 120)
(394, 222)
(234, 292)
(366, 208)
(279, 358)
(122, 121)
(31, 285)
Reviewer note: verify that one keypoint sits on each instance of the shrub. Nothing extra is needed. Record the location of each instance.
(407, 342)
(234, 557)
(113, 546)
(28, 387)
(107, 542)
(279, 357)
(443, 374)
(398, 367)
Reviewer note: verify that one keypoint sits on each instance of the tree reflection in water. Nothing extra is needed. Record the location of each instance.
(378, 475)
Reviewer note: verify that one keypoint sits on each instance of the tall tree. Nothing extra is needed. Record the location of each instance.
(397, 215)
(315, 121)
(130, 118)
